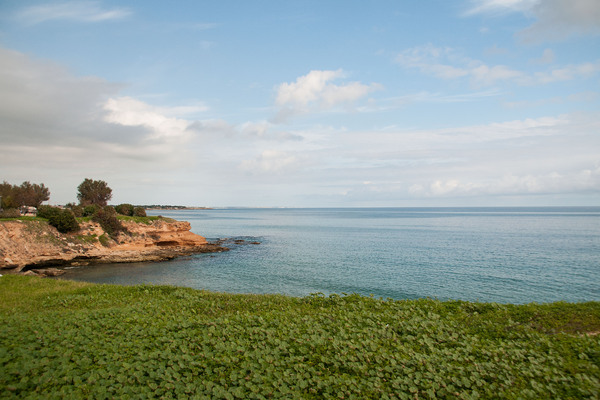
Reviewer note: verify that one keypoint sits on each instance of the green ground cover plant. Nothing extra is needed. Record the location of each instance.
(143, 220)
(62, 339)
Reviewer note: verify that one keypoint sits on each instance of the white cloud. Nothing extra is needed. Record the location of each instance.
(546, 58)
(549, 183)
(270, 161)
(315, 91)
(559, 19)
(58, 128)
(548, 155)
(587, 97)
(499, 6)
(570, 72)
(44, 102)
(127, 111)
(484, 75)
(445, 63)
(80, 11)
(555, 19)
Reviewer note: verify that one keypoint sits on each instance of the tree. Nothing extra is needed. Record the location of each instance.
(32, 194)
(27, 194)
(94, 192)
(7, 194)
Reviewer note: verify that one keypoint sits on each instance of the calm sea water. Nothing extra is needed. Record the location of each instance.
(508, 255)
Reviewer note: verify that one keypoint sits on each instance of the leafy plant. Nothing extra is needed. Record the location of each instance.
(76, 209)
(27, 194)
(143, 220)
(125, 209)
(93, 192)
(47, 211)
(90, 210)
(10, 213)
(103, 341)
(107, 218)
(139, 212)
(64, 221)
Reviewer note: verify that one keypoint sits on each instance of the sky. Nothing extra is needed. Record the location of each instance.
(380, 103)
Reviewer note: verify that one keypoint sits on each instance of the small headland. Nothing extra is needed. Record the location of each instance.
(31, 246)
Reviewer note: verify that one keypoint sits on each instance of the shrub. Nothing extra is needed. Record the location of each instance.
(107, 218)
(90, 210)
(139, 212)
(64, 221)
(48, 211)
(76, 208)
(10, 213)
(125, 209)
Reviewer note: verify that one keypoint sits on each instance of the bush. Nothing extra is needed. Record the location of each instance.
(90, 210)
(77, 209)
(48, 211)
(10, 213)
(125, 209)
(107, 218)
(64, 221)
(139, 212)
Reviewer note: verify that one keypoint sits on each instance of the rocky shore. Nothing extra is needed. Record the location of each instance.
(33, 247)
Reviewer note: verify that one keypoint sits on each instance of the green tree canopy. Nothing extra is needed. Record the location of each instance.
(32, 194)
(93, 192)
(27, 194)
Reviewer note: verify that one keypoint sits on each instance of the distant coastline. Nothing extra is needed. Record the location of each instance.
(167, 207)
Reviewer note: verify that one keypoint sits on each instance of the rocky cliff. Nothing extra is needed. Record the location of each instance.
(34, 245)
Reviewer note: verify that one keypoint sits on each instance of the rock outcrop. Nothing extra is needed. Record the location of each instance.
(39, 248)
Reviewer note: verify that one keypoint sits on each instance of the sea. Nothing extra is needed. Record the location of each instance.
(504, 255)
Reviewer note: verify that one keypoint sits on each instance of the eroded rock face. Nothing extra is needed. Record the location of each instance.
(160, 233)
(34, 245)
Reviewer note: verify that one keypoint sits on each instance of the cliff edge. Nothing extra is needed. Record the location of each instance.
(31, 246)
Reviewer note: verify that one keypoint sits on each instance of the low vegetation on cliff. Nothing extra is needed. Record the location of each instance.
(77, 340)
(93, 196)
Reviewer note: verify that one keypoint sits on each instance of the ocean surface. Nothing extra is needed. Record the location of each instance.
(506, 255)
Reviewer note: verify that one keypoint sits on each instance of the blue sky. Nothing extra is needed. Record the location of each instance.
(306, 103)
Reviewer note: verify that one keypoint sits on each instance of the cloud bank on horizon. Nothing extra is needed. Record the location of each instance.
(494, 102)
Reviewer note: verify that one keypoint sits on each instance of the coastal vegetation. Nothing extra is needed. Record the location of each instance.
(62, 219)
(26, 194)
(93, 192)
(79, 340)
(93, 196)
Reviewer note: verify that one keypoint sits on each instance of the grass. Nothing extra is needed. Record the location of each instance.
(143, 220)
(23, 218)
(90, 238)
(62, 339)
